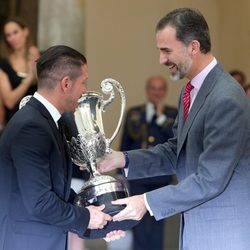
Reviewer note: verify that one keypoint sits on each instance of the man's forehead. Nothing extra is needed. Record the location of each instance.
(166, 39)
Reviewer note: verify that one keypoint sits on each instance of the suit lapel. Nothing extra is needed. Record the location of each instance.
(68, 170)
(45, 113)
(199, 101)
(61, 142)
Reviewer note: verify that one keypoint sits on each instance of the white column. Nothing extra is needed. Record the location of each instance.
(61, 22)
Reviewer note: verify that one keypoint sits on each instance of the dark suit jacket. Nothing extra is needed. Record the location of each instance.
(35, 172)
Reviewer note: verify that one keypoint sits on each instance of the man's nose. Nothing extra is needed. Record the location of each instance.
(163, 58)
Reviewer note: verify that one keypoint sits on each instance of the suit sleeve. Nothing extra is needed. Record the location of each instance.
(33, 159)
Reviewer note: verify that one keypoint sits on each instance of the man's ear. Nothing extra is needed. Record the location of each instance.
(65, 83)
(195, 47)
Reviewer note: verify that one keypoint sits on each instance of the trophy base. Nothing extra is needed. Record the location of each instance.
(111, 226)
(100, 190)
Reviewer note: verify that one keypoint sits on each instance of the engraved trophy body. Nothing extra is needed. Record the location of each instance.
(91, 144)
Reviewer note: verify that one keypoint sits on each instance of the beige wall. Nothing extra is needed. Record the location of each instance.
(235, 35)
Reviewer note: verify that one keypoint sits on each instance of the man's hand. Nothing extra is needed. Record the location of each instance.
(114, 235)
(134, 210)
(111, 161)
(98, 219)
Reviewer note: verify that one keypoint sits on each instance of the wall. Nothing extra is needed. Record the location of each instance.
(235, 35)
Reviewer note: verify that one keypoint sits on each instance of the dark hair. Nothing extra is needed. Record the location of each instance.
(56, 62)
(239, 73)
(190, 25)
(5, 47)
(247, 87)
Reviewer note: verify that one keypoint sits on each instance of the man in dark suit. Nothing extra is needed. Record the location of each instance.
(37, 208)
(209, 151)
(146, 126)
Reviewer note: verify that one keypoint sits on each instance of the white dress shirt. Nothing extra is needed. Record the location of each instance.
(49, 106)
(198, 80)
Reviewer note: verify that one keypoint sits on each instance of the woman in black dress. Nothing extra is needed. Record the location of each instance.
(17, 67)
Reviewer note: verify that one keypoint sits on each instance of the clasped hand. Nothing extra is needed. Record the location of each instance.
(98, 220)
(134, 210)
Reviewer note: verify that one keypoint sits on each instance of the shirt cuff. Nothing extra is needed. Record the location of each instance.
(125, 172)
(147, 206)
(161, 119)
(125, 153)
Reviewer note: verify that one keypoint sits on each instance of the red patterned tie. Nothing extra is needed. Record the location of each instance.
(186, 99)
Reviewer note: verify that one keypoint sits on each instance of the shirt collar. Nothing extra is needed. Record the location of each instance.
(49, 106)
(198, 80)
(150, 111)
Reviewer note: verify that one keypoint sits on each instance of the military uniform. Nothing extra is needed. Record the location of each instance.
(143, 129)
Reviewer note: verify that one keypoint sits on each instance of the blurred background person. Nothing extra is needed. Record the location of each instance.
(247, 90)
(17, 67)
(239, 76)
(145, 126)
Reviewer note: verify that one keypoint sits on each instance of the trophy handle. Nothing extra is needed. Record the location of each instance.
(107, 88)
(24, 100)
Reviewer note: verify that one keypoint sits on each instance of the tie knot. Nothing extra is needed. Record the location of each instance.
(189, 87)
(60, 122)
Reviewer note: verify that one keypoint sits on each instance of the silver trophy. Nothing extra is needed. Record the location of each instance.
(90, 144)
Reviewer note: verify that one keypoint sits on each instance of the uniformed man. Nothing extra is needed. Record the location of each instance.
(145, 126)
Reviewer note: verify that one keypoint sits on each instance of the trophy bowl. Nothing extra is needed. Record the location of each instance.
(100, 190)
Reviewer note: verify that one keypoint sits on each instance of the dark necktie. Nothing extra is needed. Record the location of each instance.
(60, 127)
(186, 99)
